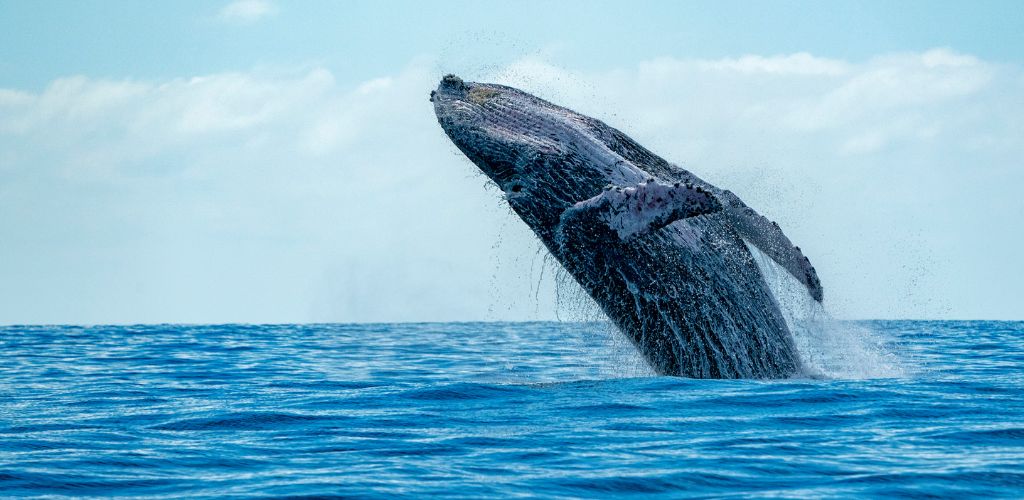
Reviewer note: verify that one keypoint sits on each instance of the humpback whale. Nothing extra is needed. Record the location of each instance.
(662, 252)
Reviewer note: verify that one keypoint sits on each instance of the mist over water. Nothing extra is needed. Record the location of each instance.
(828, 348)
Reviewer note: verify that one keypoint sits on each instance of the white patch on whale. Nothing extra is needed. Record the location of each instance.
(638, 209)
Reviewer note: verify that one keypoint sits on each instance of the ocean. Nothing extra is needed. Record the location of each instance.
(559, 409)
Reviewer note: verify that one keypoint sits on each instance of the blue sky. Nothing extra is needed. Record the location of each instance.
(263, 161)
(43, 40)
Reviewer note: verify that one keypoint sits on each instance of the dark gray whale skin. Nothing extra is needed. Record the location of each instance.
(661, 251)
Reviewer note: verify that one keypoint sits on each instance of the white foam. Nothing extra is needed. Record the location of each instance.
(828, 348)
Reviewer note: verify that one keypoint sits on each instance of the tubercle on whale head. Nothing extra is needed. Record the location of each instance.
(540, 155)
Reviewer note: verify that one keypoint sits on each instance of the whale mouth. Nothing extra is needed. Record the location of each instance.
(454, 107)
(483, 126)
(451, 87)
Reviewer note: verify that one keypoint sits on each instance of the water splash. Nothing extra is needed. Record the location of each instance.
(828, 348)
(602, 343)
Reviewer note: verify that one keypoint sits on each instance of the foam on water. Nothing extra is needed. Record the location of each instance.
(828, 348)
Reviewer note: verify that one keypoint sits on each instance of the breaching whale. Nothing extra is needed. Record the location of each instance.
(662, 252)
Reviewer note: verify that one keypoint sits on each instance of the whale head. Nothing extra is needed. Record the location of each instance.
(543, 157)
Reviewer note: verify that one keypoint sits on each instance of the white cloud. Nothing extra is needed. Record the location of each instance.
(246, 11)
(284, 196)
(796, 64)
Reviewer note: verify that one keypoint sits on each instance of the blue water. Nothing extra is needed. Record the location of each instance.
(485, 410)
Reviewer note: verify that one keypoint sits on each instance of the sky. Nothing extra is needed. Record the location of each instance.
(265, 161)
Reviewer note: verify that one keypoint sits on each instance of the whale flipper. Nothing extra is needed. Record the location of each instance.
(768, 237)
(648, 206)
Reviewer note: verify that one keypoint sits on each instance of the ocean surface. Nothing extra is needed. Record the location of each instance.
(499, 410)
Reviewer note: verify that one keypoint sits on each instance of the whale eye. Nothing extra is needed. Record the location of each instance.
(515, 185)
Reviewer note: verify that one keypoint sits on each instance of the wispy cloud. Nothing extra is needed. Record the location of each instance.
(246, 11)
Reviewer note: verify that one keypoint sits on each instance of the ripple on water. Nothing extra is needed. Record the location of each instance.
(493, 410)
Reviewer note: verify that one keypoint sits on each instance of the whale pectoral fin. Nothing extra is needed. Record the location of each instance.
(768, 237)
(645, 207)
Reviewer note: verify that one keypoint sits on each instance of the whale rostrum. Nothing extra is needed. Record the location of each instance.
(660, 250)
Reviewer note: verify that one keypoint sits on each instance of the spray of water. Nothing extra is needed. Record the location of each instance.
(828, 348)
(608, 351)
